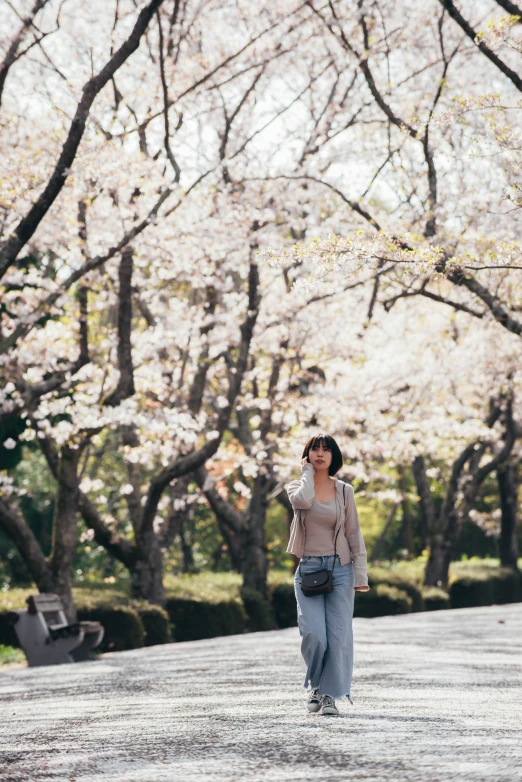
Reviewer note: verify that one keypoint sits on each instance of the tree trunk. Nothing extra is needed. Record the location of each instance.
(446, 531)
(508, 483)
(233, 542)
(186, 549)
(427, 508)
(437, 568)
(147, 571)
(254, 562)
(65, 528)
(451, 517)
(407, 531)
(28, 546)
(380, 540)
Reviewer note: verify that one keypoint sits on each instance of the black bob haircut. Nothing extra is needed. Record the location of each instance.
(326, 441)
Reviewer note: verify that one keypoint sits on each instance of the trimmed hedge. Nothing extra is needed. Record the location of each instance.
(134, 624)
(382, 600)
(260, 613)
(194, 619)
(381, 576)
(435, 599)
(8, 636)
(507, 586)
(123, 628)
(156, 622)
(502, 585)
(284, 605)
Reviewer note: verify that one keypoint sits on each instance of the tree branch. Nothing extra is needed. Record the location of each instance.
(11, 55)
(511, 8)
(125, 387)
(28, 225)
(486, 51)
(25, 541)
(191, 461)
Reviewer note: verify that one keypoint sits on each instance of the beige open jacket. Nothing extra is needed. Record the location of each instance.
(350, 542)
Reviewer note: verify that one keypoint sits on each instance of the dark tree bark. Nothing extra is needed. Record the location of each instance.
(186, 548)
(119, 548)
(486, 51)
(427, 508)
(65, 528)
(508, 477)
(454, 510)
(253, 549)
(511, 8)
(55, 573)
(231, 522)
(382, 537)
(125, 387)
(30, 550)
(407, 528)
(147, 571)
(254, 564)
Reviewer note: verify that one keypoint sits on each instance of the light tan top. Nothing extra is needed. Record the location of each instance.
(350, 542)
(320, 527)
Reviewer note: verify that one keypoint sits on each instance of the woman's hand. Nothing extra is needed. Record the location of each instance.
(362, 589)
(305, 461)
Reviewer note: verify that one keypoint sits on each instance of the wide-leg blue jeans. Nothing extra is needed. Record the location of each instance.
(325, 626)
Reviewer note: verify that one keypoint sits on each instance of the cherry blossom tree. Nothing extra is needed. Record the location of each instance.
(221, 231)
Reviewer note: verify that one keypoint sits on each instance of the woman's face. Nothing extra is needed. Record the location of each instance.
(320, 456)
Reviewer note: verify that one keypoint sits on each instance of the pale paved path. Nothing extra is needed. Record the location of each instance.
(437, 698)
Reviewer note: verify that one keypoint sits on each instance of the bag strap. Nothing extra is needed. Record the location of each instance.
(335, 538)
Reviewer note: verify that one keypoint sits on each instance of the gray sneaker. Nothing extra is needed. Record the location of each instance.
(328, 705)
(314, 700)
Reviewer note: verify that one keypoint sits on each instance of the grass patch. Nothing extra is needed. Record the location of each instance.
(14, 599)
(206, 587)
(211, 587)
(276, 577)
(9, 655)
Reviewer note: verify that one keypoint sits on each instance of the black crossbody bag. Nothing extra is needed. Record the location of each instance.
(320, 582)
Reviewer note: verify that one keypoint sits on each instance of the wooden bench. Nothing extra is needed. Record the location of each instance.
(47, 638)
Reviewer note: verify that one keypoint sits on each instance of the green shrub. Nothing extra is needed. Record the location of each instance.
(435, 599)
(471, 590)
(382, 600)
(8, 636)
(506, 585)
(260, 614)
(485, 586)
(156, 622)
(206, 586)
(193, 619)
(9, 654)
(123, 628)
(384, 576)
(284, 605)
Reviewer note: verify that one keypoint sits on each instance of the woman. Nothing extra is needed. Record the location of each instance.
(326, 533)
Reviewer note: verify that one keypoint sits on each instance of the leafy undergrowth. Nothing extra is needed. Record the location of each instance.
(10, 655)
(206, 586)
(213, 587)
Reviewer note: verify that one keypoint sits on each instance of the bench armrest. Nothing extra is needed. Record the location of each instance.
(64, 631)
